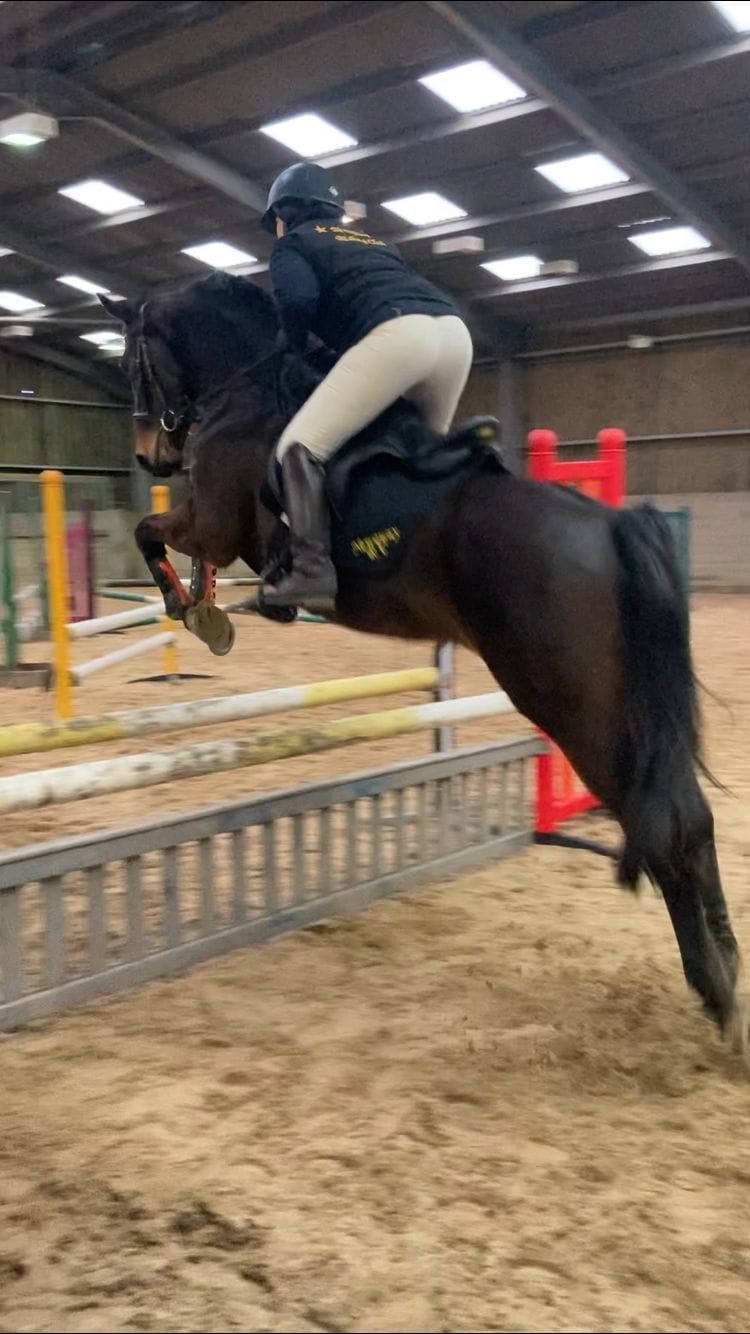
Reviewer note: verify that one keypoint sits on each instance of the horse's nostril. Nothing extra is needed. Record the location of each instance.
(143, 462)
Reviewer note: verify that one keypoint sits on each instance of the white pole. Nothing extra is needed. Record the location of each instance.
(121, 655)
(29, 591)
(118, 620)
(29, 791)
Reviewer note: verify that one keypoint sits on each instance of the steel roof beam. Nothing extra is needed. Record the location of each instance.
(427, 134)
(666, 67)
(578, 279)
(495, 41)
(658, 313)
(61, 96)
(59, 259)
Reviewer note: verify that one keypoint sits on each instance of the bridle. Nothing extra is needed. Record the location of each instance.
(171, 419)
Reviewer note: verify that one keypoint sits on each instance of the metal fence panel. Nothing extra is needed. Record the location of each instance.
(84, 917)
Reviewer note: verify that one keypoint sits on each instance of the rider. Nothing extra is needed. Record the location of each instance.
(397, 335)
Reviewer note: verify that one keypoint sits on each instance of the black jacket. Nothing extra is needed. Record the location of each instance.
(339, 284)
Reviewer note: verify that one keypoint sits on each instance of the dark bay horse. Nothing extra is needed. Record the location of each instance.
(576, 608)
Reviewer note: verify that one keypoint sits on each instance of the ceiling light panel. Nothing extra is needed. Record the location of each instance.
(310, 135)
(736, 13)
(100, 196)
(422, 209)
(27, 129)
(219, 254)
(474, 86)
(516, 268)
(17, 302)
(102, 337)
(83, 285)
(670, 241)
(585, 171)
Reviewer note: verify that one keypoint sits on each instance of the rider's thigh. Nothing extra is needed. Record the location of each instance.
(439, 393)
(370, 376)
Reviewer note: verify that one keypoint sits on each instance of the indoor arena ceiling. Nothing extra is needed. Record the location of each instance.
(170, 103)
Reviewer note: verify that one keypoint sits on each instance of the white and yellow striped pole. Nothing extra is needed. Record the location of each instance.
(160, 502)
(26, 738)
(45, 787)
(53, 502)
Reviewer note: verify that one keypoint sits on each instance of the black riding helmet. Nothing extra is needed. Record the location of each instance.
(302, 183)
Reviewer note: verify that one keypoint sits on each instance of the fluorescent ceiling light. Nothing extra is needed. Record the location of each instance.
(473, 86)
(670, 241)
(420, 210)
(17, 303)
(27, 129)
(5, 250)
(83, 285)
(513, 270)
(736, 13)
(309, 135)
(101, 337)
(219, 254)
(585, 171)
(101, 196)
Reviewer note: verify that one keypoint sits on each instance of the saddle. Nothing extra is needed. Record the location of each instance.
(388, 480)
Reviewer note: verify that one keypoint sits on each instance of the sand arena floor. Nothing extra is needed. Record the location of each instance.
(489, 1105)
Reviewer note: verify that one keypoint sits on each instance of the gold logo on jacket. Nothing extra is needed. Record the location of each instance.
(344, 234)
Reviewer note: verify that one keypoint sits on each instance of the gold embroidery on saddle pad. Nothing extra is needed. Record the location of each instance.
(376, 545)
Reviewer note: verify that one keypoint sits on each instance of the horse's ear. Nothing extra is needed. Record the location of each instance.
(120, 308)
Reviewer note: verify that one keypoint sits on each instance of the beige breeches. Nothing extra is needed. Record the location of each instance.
(425, 358)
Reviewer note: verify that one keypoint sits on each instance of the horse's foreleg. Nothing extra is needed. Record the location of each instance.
(203, 618)
(194, 607)
(153, 535)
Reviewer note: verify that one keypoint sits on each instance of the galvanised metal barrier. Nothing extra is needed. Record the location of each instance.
(680, 523)
(86, 917)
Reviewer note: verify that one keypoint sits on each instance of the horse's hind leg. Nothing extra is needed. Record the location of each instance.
(668, 828)
(686, 869)
(689, 879)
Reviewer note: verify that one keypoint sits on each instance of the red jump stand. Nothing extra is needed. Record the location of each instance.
(560, 794)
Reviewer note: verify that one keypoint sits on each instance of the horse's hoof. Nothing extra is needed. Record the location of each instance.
(738, 1028)
(212, 626)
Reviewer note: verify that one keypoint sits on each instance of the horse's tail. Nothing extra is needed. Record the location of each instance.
(661, 739)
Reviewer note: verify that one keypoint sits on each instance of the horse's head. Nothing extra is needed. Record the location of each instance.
(180, 345)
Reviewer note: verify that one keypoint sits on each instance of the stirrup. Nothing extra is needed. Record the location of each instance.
(297, 590)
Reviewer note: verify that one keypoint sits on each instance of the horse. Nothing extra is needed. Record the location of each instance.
(576, 608)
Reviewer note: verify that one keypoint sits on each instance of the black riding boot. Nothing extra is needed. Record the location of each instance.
(312, 579)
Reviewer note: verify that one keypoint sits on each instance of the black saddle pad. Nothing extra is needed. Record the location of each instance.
(381, 488)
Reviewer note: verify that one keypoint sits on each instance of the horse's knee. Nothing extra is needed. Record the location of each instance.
(148, 538)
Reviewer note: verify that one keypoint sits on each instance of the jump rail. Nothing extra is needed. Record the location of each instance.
(46, 787)
(26, 738)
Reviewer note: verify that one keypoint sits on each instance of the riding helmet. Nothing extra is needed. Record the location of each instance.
(305, 183)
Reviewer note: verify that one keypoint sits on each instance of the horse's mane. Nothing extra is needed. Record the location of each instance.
(219, 300)
(239, 293)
